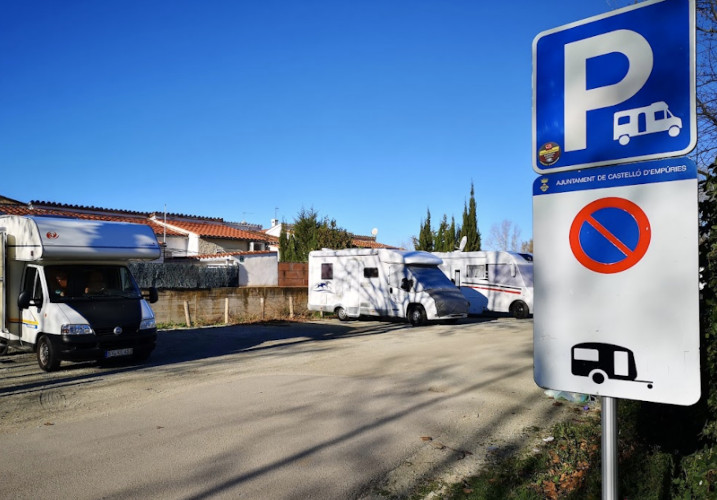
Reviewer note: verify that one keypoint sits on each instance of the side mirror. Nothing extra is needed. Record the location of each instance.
(23, 300)
(153, 295)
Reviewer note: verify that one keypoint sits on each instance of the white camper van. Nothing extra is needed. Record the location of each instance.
(381, 282)
(492, 281)
(67, 293)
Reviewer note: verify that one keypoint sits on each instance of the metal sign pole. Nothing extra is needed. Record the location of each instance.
(608, 419)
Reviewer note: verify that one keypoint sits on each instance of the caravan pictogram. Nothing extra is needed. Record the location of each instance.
(651, 119)
(600, 362)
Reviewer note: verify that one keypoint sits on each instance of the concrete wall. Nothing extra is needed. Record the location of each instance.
(230, 305)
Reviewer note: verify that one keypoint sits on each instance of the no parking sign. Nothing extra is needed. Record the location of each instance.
(610, 235)
(616, 281)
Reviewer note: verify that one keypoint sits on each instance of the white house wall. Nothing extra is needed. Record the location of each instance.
(259, 270)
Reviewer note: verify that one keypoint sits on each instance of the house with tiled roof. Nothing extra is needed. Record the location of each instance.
(209, 236)
(184, 238)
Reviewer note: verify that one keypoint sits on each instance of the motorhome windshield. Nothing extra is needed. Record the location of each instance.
(526, 271)
(429, 278)
(77, 282)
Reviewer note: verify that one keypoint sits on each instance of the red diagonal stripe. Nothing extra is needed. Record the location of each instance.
(609, 236)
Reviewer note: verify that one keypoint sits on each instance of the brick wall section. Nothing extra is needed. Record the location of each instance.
(294, 274)
(208, 307)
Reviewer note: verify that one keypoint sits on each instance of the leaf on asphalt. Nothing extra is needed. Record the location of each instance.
(426, 438)
(49, 423)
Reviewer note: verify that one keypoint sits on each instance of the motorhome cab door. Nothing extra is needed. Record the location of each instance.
(30, 316)
(398, 288)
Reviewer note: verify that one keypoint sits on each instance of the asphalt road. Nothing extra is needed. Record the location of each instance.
(322, 410)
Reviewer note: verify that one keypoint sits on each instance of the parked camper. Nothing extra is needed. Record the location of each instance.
(382, 282)
(67, 293)
(492, 281)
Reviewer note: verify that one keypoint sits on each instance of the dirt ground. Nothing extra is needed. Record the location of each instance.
(434, 402)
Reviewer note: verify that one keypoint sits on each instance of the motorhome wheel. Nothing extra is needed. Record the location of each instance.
(341, 314)
(519, 309)
(46, 355)
(417, 315)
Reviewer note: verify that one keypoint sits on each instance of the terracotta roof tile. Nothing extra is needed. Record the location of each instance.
(218, 230)
(234, 254)
(366, 243)
(26, 210)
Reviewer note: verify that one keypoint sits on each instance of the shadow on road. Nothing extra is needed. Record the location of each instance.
(22, 375)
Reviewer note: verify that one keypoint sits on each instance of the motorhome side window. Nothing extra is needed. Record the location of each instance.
(32, 284)
(327, 271)
(477, 271)
(370, 272)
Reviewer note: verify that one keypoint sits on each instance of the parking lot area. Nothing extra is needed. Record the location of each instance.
(322, 409)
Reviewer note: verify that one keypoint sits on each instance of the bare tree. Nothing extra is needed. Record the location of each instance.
(706, 78)
(504, 236)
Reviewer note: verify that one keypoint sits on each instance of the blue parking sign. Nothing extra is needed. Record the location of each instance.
(615, 88)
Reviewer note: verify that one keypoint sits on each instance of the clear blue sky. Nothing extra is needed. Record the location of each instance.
(369, 112)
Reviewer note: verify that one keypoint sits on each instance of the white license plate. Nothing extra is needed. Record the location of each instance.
(119, 352)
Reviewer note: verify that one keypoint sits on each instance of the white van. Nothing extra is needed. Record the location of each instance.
(492, 281)
(67, 292)
(384, 283)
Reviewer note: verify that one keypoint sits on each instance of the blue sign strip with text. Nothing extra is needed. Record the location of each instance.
(672, 169)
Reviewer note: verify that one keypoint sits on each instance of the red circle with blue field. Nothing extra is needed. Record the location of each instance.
(610, 235)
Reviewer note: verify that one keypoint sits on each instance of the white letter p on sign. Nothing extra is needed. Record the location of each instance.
(579, 99)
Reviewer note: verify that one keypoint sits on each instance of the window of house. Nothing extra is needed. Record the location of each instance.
(370, 272)
(327, 271)
(477, 271)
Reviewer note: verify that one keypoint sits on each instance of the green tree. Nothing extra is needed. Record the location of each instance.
(708, 308)
(425, 237)
(444, 240)
(469, 229)
(305, 234)
(329, 235)
(309, 234)
(287, 249)
(454, 234)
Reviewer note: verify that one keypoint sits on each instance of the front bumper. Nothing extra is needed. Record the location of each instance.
(95, 347)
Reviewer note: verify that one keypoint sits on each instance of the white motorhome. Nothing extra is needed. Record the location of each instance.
(492, 281)
(384, 283)
(66, 290)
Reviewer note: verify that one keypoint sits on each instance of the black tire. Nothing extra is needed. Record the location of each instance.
(341, 314)
(519, 309)
(417, 315)
(47, 356)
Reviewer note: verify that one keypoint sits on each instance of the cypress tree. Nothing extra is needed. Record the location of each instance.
(470, 224)
(425, 237)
